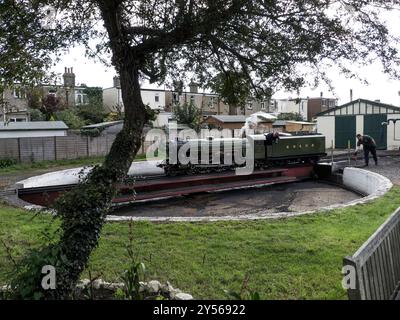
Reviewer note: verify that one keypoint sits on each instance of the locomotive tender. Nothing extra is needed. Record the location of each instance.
(216, 155)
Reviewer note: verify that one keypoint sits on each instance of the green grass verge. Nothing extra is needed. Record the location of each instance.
(295, 258)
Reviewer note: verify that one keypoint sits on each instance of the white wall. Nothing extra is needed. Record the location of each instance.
(290, 106)
(359, 124)
(326, 126)
(110, 98)
(393, 133)
(304, 108)
(162, 119)
(32, 133)
(366, 182)
(113, 97)
(149, 97)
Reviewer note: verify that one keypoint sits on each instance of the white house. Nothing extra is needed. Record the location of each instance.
(292, 106)
(112, 98)
(32, 129)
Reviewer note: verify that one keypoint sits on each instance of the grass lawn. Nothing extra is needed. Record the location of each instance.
(295, 258)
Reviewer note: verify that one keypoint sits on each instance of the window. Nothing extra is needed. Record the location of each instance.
(192, 99)
(175, 98)
(262, 106)
(19, 93)
(157, 98)
(81, 97)
(212, 102)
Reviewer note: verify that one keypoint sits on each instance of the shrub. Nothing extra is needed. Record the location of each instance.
(4, 163)
(188, 114)
(72, 120)
(36, 115)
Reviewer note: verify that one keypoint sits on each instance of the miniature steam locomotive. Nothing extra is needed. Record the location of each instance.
(216, 155)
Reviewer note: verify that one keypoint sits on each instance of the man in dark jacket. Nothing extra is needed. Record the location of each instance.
(369, 145)
(271, 138)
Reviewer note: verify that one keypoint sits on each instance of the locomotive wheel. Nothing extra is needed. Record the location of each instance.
(171, 172)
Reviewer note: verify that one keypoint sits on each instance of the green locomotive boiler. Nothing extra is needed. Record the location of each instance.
(216, 155)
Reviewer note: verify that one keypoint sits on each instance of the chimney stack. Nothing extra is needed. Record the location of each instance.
(193, 87)
(69, 78)
(178, 86)
(351, 95)
(116, 82)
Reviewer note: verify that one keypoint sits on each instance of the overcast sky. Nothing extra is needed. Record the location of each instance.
(380, 86)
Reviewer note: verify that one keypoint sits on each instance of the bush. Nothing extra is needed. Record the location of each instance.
(114, 116)
(91, 113)
(293, 116)
(36, 115)
(72, 120)
(4, 163)
(188, 114)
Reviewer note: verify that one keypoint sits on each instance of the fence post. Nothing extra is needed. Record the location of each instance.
(348, 151)
(55, 148)
(19, 149)
(87, 146)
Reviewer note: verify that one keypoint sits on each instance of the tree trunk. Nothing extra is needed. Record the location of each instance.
(83, 210)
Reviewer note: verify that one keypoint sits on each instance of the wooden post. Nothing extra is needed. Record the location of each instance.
(19, 149)
(87, 146)
(353, 293)
(55, 148)
(348, 151)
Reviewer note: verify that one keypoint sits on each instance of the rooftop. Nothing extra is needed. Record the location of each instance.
(33, 125)
(103, 124)
(231, 119)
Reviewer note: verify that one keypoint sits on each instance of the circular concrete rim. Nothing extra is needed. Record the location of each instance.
(380, 184)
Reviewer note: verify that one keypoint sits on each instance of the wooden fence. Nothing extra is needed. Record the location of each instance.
(377, 264)
(72, 146)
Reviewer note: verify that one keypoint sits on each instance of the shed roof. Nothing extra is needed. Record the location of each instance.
(301, 122)
(103, 124)
(229, 119)
(33, 125)
(375, 103)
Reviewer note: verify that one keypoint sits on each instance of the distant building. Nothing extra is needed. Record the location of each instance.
(299, 106)
(15, 98)
(306, 107)
(33, 129)
(69, 93)
(208, 103)
(14, 106)
(320, 104)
